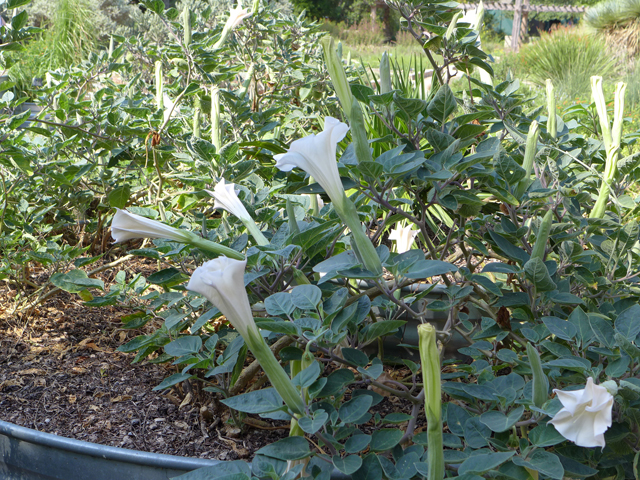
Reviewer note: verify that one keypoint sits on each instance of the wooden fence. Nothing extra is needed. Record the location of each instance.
(521, 9)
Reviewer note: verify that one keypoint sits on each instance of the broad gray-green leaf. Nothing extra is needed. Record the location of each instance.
(279, 304)
(355, 408)
(499, 422)
(348, 464)
(537, 273)
(186, 345)
(484, 462)
(602, 329)
(260, 401)
(290, 448)
(560, 328)
(544, 462)
(385, 439)
(443, 104)
(430, 268)
(306, 297)
(628, 322)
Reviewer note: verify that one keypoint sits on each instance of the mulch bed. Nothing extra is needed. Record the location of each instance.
(60, 373)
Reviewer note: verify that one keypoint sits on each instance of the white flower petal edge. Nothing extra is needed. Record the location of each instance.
(226, 197)
(127, 226)
(221, 281)
(237, 15)
(316, 155)
(585, 416)
(404, 237)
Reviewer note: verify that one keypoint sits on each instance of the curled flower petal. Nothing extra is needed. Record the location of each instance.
(404, 237)
(226, 198)
(221, 281)
(316, 155)
(585, 416)
(127, 226)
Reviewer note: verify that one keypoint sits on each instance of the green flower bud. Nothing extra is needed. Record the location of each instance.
(337, 74)
(430, 362)
(551, 111)
(540, 381)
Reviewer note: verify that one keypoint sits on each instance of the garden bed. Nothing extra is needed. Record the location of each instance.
(61, 373)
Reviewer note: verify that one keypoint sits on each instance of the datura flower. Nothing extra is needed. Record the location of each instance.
(226, 198)
(236, 16)
(127, 226)
(404, 237)
(316, 155)
(221, 281)
(585, 416)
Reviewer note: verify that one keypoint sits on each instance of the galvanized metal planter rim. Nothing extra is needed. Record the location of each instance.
(105, 452)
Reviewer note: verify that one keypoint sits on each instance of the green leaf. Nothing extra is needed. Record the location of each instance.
(507, 167)
(75, 281)
(186, 345)
(259, 401)
(370, 469)
(510, 250)
(235, 470)
(499, 422)
(347, 465)
(306, 297)
(167, 277)
(411, 106)
(583, 328)
(545, 436)
(476, 433)
(355, 408)
(443, 104)
(307, 376)
(173, 380)
(380, 329)
(312, 425)
(456, 418)
(290, 448)
(119, 197)
(537, 273)
(484, 462)
(356, 357)
(562, 329)
(603, 330)
(430, 268)
(357, 443)
(627, 322)
(279, 304)
(156, 6)
(544, 462)
(385, 439)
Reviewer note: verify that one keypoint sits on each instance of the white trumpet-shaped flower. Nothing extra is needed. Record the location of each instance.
(127, 226)
(237, 15)
(585, 415)
(226, 198)
(404, 237)
(316, 155)
(221, 281)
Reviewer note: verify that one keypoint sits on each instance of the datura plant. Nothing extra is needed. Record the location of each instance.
(464, 301)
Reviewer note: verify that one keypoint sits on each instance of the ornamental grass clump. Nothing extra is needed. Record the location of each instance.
(568, 56)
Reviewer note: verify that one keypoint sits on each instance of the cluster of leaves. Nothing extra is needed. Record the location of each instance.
(447, 162)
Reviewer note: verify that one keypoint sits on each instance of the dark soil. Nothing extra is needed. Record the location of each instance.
(60, 373)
